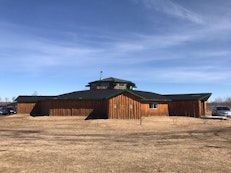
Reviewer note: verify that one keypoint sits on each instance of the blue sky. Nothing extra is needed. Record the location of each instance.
(165, 46)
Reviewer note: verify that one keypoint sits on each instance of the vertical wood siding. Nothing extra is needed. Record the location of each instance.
(25, 108)
(161, 110)
(124, 106)
(128, 106)
(186, 108)
(202, 107)
(95, 109)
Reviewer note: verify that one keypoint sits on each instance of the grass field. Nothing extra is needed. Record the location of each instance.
(155, 144)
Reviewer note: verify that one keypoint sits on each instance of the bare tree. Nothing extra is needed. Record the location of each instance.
(35, 93)
(13, 99)
(228, 100)
(218, 100)
(6, 99)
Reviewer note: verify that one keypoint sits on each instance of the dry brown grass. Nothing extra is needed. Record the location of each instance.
(71, 144)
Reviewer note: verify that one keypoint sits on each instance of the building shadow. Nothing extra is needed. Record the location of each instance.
(96, 115)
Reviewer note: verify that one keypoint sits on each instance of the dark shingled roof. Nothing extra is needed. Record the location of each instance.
(112, 79)
(94, 95)
(108, 93)
(184, 97)
(89, 94)
(150, 96)
(31, 99)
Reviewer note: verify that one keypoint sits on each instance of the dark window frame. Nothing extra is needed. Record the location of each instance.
(153, 105)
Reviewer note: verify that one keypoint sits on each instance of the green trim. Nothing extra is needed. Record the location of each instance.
(120, 92)
(162, 100)
(206, 97)
(123, 91)
(72, 99)
(145, 99)
(114, 94)
(131, 92)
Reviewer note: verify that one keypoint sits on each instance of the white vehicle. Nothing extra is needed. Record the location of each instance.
(221, 111)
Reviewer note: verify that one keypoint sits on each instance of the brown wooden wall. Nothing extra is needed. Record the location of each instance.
(89, 108)
(187, 108)
(124, 106)
(128, 106)
(25, 108)
(202, 107)
(162, 109)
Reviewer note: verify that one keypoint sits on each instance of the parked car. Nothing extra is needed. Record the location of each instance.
(11, 110)
(221, 111)
(3, 110)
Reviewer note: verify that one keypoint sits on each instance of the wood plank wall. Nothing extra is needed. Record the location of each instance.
(185, 108)
(75, 108)
(128, 106)
(25, 108)
(161, 110)
(202, 107)
(124, 106)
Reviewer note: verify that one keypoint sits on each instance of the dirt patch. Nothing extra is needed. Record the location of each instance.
(156, 144)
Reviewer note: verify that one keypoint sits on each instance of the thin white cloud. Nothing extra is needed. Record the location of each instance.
(153, 42)
(208, 33)
(31, 52)
(213, 53)
(201, 74)
(37, 53)
(172, 8)
(193, 75)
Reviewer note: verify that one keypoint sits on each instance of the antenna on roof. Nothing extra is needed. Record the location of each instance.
(101, 75)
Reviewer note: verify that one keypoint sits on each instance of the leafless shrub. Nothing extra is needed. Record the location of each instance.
(219, 101)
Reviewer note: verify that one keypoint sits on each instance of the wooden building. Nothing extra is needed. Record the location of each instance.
(110, 103)
(114, 99)
(30, 104)
(193, 105)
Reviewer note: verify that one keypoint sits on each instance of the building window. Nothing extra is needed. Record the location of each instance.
(153, 105)
(105, 84)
